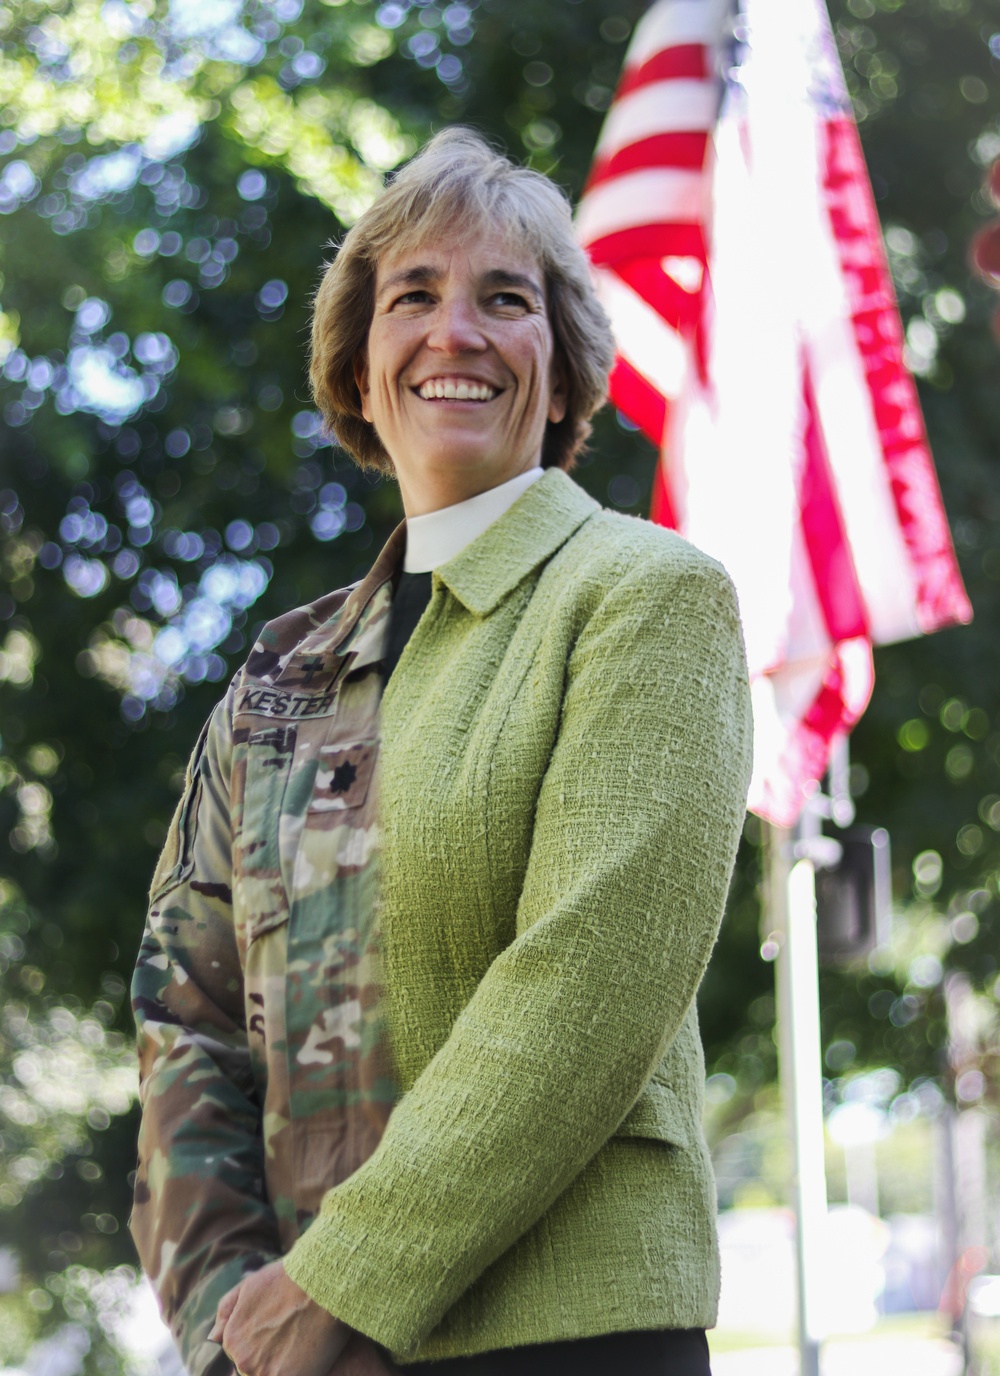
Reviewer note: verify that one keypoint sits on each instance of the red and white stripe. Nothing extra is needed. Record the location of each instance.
(737, 249)
(645, 201)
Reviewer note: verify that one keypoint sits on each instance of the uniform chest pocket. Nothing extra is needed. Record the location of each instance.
(334, 841)
(260, 893)
(268, 763)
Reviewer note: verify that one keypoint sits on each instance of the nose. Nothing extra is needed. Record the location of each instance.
(456, 328)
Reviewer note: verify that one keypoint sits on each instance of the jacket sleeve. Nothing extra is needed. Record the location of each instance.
(636, 829)
(200, 1220)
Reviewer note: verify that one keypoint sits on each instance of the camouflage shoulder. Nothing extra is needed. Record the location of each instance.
(321, 627)
(280, 638)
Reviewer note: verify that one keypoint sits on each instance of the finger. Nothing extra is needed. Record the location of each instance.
(222, 1315)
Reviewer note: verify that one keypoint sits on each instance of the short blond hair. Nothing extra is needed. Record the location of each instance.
(457, 183)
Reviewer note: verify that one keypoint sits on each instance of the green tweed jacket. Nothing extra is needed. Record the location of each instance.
(565, 748)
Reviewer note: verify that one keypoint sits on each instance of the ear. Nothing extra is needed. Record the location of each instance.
(364, 391)
(559, 389)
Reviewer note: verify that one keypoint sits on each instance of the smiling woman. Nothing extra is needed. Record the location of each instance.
(457, 194)
(421, 1068)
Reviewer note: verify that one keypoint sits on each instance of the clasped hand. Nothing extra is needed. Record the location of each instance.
(268, 1326)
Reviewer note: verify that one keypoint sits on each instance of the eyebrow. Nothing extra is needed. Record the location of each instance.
(499, 277)
(424, 273)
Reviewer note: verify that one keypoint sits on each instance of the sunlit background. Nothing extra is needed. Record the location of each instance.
(170, 175)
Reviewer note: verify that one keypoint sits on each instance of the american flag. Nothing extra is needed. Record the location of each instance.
(732, 228)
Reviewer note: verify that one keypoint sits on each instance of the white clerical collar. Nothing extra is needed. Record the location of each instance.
(433, 539)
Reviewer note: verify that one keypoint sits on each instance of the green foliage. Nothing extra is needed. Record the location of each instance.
(168, 181)
(929, 745)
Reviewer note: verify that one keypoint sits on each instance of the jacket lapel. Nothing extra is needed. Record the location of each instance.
(529, 533)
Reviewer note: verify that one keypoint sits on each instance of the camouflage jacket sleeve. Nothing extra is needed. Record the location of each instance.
(200, 1219)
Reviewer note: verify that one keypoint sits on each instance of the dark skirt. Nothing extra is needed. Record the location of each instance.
(663, 1352)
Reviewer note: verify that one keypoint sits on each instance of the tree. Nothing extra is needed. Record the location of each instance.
(167, 183)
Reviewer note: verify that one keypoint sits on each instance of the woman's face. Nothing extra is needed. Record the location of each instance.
(459, 378)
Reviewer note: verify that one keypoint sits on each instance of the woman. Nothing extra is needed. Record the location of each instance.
(467, 1121)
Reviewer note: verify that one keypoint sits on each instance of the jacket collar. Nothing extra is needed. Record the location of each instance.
(383, 571)
(540, 521)
(526, 535)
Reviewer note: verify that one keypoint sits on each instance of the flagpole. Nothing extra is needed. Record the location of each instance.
(791, 917)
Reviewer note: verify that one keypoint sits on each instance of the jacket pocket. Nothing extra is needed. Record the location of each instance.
(269, 759)
(330, 848)
(268, 764)
(659, 1115)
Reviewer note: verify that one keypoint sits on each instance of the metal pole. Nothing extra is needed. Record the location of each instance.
(948, 1214)
(792, 917)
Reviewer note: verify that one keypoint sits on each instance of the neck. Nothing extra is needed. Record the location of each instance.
(435, 537)
(435, 491)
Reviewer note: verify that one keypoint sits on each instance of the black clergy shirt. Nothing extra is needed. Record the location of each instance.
(413, 592)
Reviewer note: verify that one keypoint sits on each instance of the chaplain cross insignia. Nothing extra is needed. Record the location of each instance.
(311, 668)
(343, 776)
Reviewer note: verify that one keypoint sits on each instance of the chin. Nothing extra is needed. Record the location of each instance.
(449, 457)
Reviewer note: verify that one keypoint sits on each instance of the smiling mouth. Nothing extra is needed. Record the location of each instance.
(455, 389)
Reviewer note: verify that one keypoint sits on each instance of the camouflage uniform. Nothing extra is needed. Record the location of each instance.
(232, 1167)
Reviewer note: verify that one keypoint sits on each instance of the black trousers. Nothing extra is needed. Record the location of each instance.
(663, 1352)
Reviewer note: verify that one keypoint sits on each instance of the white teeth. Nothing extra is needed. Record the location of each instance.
(452, 390)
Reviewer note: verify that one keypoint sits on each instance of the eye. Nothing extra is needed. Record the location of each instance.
(510, 299)
(417, 296)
